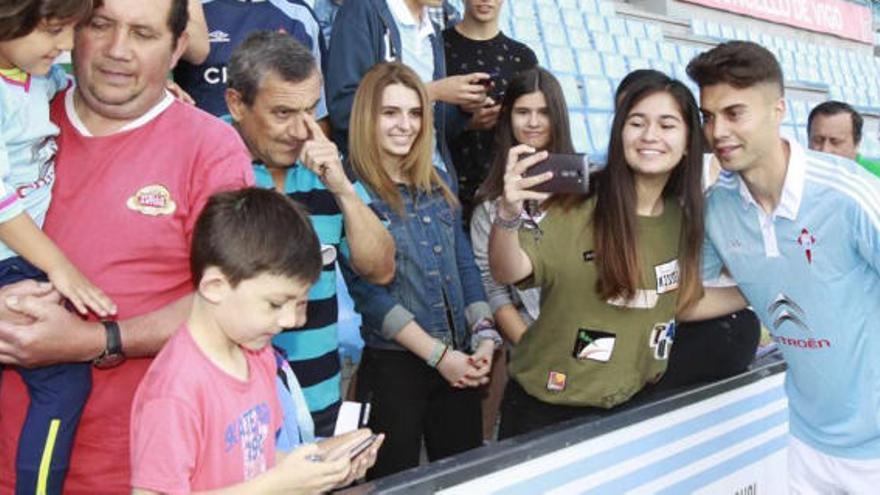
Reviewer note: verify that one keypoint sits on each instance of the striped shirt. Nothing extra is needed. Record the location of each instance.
(313, 350)
(811, 270)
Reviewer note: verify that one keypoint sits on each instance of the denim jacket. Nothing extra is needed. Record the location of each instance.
(436, 281)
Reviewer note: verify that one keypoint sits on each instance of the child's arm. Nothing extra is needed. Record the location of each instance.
(22, 235)
(294, 474)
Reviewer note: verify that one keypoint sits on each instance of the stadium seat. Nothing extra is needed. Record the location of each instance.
(572, 91)
(526, 31)
(548, 15)
(599, 93)
(788, 132)
(579, 38)
(668, 52)
(606, 8)
(572, 20)
(636, 63)
(595, 23)
(561, 60)
(539, 54)
(800, 111)
(648, 49)
(614, 65)
(801, 134)
(636, 29)
(590, 63)
(728, 32)
(616, 26)
(599, 127)
(626, 46)
(698, 27)
(589, 6)
(789, 112)
(525, 10)
(604, 43)
(580, 137)
(654, 32)
(713, 30)
(554, 36)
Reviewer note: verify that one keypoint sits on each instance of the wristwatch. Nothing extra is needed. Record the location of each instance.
(112, 355)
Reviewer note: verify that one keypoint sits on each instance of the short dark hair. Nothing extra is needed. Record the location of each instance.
(178, 18)
(263, 52)
(252, 231)
(741, 64)
(834, 107)
(19, 18)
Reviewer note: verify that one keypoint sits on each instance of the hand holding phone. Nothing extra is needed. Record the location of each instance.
(351, 449)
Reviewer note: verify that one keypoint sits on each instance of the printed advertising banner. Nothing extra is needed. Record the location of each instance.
(837, 17)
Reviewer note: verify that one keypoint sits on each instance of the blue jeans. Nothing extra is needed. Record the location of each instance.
(58, 394)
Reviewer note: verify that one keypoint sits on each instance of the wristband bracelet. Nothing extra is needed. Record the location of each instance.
(442, 355)
(508, 224)
(486, 334)
(499, 220)
(437, 354)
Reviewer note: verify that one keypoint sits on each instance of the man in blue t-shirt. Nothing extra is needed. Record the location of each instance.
(229, 22)
(274, 88)
(800, 233)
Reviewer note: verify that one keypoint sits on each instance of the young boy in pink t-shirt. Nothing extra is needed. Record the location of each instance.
(206, 414)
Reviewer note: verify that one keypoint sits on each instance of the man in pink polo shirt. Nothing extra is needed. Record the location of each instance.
(134, 169)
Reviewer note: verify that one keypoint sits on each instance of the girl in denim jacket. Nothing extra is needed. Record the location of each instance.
(416, 370)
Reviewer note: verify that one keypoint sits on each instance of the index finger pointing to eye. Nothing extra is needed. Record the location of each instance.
(317, 134)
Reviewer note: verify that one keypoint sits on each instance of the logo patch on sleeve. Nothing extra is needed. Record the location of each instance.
(556, 381)
(667, 276)
(593, 345)
(152, 200)
(661, 338)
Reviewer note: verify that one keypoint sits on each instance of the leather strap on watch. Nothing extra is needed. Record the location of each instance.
(112, 355)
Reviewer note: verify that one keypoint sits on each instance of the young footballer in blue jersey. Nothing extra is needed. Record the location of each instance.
(800, 233)
(32, 35)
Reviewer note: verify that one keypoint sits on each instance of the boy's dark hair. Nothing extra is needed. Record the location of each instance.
(834, 107)
(741, 64)
(20, 17)
(252, 231)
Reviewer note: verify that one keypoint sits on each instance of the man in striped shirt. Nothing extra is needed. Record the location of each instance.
(274, 88)
(800, 233)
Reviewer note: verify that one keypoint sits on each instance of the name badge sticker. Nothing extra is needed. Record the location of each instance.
(668, 276)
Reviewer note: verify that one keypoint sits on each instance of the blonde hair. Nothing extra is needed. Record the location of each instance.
(417, 166)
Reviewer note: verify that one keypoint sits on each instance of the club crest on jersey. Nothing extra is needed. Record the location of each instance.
(807, 241)
(152, 200)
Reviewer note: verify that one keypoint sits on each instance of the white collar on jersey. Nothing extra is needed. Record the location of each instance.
(403, 15)
(792, 188)
(151, 114)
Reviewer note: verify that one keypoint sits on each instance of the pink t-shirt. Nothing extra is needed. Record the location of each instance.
(123, 210)
(195, 427)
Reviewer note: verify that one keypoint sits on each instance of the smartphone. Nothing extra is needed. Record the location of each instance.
(363, 446)
(571, 173)
(493, 86)
(351, 451)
